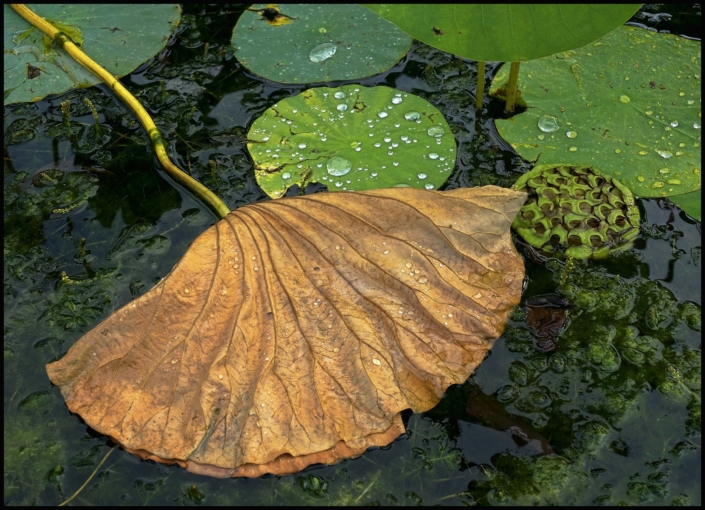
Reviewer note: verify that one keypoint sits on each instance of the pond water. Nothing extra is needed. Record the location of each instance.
(607, 413)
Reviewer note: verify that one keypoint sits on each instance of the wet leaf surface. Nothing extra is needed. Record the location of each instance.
(34, 68)
(596, 106)
(295, 332)
(351, 138)
(316, 43)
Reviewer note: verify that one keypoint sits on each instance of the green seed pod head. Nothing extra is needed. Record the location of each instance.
(576, 210)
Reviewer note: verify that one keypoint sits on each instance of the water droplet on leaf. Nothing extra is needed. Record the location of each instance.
(322, 52)
(421, 176)
(548, 124)
(571, 134)
(341, 107)
(338, 166)
(436, 131)
(433, 155)
(339, 95)
(382, 115)
(286, 175)
(412, 115)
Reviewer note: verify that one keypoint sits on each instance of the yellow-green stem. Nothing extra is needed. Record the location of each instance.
(65, 42)
(480, 90)
(512, 88)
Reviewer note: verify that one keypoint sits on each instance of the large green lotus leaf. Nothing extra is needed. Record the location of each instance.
(628, 104)
(351, 138)
(305, 43)
(502, 32)
(119, 38)
(689, 202)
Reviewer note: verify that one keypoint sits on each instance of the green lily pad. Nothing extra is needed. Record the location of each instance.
(118, 38)
(503, 32)
(306, 43)
(628, 104)
(690, 203)
(351, 138)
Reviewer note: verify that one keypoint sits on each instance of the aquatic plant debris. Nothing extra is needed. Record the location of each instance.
(317, 43)
(295, 331)
(632, 100)
(351, 138)
(577, 210)
(34, 69)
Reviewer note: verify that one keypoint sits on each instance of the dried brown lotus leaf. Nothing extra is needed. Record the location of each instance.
(295, 331)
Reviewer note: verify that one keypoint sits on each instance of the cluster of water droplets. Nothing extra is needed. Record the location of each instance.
(337, 166)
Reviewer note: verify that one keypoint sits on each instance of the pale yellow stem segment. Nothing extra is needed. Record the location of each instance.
(175, 172)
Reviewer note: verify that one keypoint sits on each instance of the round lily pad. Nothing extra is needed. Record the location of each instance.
(351, 138)
(119, 40)
(307, 43)
(577, 210)
(629, 104)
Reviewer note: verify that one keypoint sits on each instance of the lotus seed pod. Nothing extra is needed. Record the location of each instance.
(577, 211)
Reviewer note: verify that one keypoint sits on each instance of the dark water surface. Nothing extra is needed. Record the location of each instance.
(607, 414)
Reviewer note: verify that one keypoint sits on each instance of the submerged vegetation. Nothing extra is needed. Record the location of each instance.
(607, 412)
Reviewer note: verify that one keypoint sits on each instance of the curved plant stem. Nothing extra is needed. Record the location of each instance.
(480, 89)
(90, 477)
(65, 42)
(512, 87)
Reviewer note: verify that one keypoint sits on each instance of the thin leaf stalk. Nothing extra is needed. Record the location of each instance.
(89, 478)
(480, 90)
(65, 42)
(512, 88)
